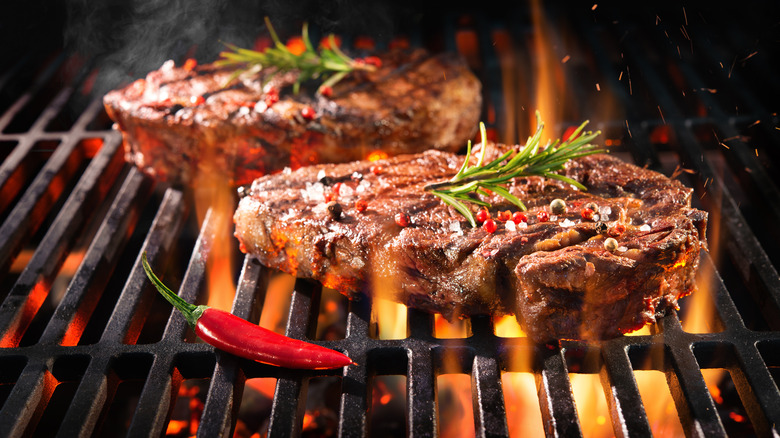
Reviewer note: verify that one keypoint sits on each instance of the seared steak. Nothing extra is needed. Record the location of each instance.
(339, 224)
(183, 120)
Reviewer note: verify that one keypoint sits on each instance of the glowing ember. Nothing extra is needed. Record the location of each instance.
(376, 155)
(296, 45)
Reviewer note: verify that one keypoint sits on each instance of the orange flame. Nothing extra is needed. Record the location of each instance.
(214, 191)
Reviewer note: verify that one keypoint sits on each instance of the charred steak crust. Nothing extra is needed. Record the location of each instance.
(555, 276)
(179, 121)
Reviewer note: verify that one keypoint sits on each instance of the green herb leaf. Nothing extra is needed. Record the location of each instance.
(328, 64)
(471, 181)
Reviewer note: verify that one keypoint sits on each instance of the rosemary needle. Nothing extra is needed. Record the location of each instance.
(471, 181)
(330, 64)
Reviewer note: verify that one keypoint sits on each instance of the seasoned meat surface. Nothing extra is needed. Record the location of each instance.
(557, 276)
(181, 121)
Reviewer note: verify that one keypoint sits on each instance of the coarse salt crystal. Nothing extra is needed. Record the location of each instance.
(622, 249)
(511, 226)
(596, 218)
(313, 192)
(553, 218)
(645, 227)
(566, 223)
(522, 225)
(320, 208)
(290, 214)
(454, 227)
(287, 170)
(346, 191)
(605, 211)
(363, 186)
(321, 174)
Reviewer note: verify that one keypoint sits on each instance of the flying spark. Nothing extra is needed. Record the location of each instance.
(754, 123)
(749, 56)
(732, 66)
(620, 77)
(685, 15)
(685, 33)
(565, 59)
(595, 5)
(630, 89)
(629, 130)
(662, 114)
(598, 87)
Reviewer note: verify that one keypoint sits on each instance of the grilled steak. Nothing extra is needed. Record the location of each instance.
(339, 224)
(183, 120)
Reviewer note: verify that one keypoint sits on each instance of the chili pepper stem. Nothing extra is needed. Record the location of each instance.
(191, 312)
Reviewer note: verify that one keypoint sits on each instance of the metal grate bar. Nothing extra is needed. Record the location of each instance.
(227, 382)
(159, 393)
(18, 307)
(45, 76)
(622, 394)
(92, 275)
(555, 395)
(28, 399)
(757, 389)
(290, 395)
(28, 214)
(698, 413)
(354, 392)
(421, 415)
(488, 397)
(134, 302)
(99, 383)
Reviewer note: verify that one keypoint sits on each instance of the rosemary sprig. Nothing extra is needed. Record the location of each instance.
(471, 181)
(329, 64)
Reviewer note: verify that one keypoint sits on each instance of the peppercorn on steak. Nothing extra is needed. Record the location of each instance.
(180, 121)
(596, 264)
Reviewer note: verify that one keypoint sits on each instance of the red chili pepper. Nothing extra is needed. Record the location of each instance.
(242, 338)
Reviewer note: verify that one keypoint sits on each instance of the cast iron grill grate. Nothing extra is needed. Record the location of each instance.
(71, 209)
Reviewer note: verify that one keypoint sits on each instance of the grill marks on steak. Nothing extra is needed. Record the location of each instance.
(555, 276)
(178, 122)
